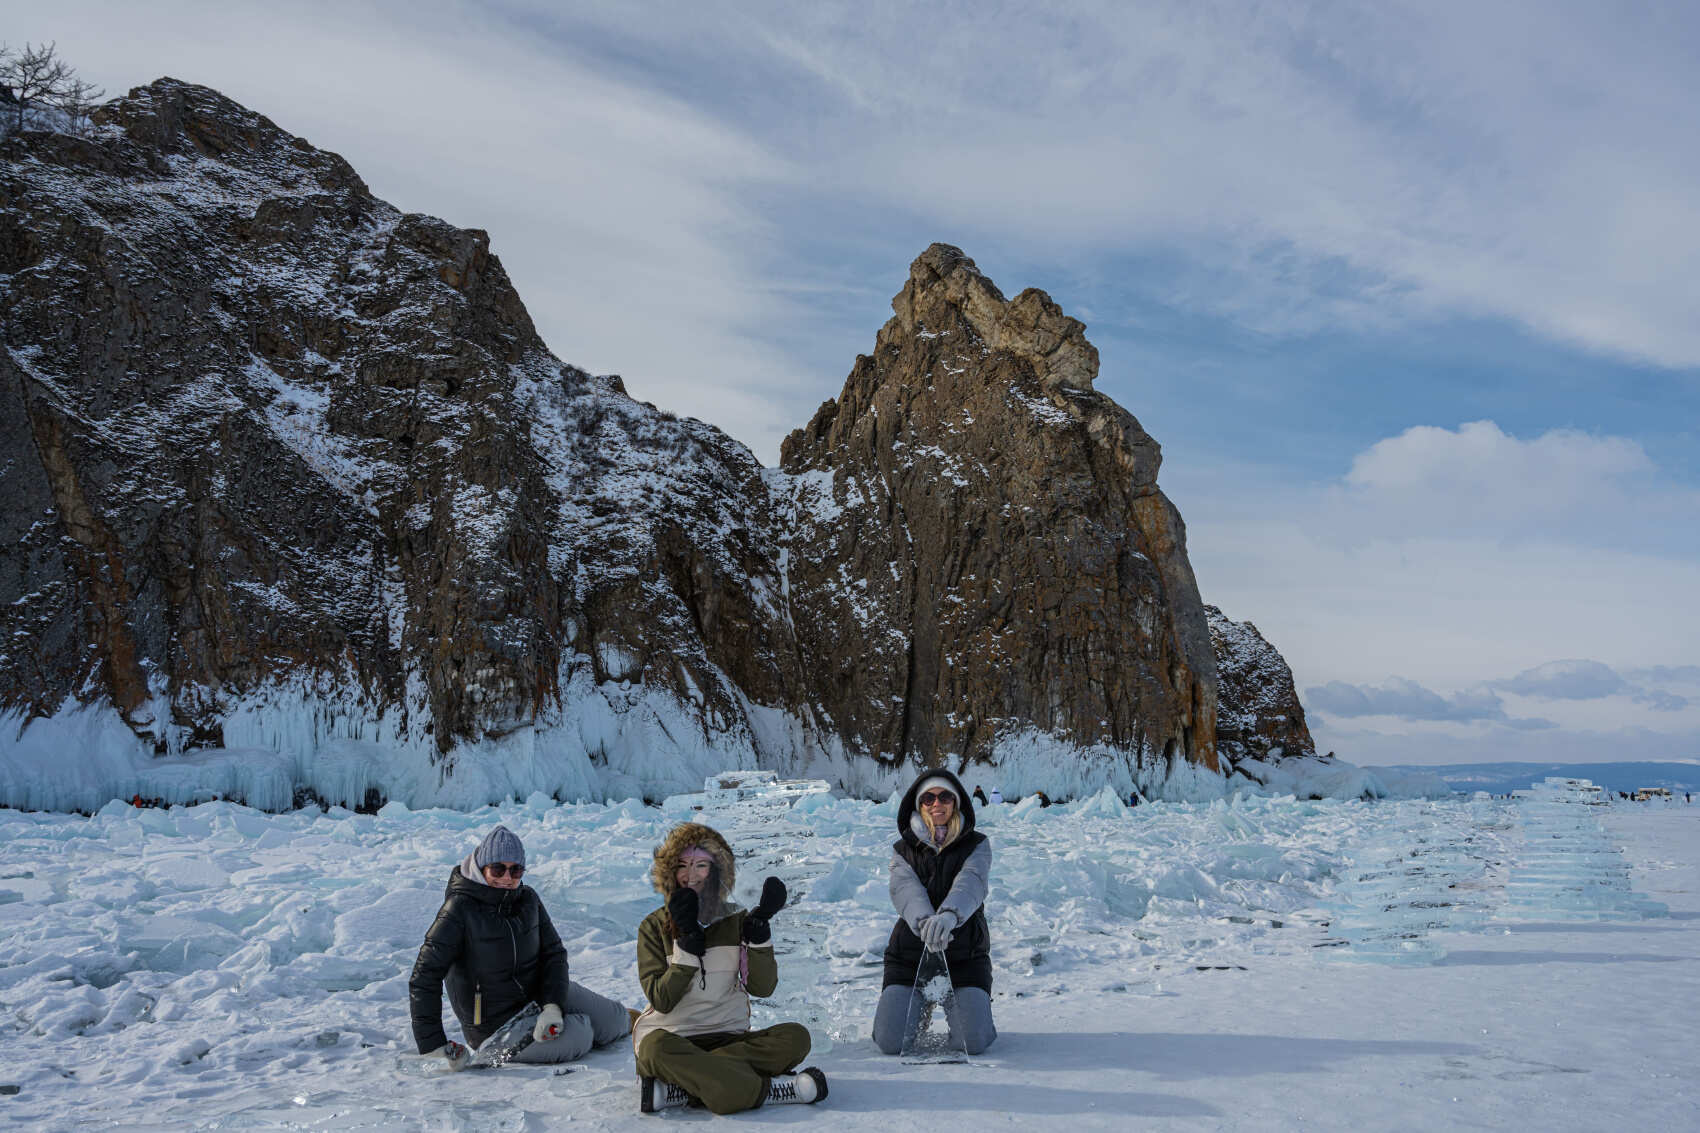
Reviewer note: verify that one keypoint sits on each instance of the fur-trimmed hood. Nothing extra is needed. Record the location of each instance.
(664, 872)
(906, 809)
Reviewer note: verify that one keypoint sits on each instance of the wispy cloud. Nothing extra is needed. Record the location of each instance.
(1572, 680)
(1661, 701)
(1439, 161)
(1405, 699)
(1566, 680)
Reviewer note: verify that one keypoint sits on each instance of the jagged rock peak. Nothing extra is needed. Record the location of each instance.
(1031, 326)
(169, 116)
(984, 550)
(950, 331)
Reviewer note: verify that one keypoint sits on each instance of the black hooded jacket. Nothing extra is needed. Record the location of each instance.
(969, 953)
(496, 949)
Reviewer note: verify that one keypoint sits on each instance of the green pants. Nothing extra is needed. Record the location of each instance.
(727, 1072)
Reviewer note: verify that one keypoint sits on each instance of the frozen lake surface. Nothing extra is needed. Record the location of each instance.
(1255, 964)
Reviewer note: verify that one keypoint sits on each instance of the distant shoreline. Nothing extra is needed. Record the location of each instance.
(1498, 778)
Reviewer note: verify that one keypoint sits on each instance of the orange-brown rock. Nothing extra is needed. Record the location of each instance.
(979, 546)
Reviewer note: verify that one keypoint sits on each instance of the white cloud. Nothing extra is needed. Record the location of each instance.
(1563, 485)
(1312, 166)
(1446, 560)
(1479, 474)
(1405, 699)
(1566, 680)
(1661, 701)
(1441, 161)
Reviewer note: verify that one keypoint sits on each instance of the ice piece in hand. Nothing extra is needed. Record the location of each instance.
(927, 1033)
(508, 1040)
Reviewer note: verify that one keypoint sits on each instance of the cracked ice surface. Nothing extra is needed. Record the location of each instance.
(214, 966)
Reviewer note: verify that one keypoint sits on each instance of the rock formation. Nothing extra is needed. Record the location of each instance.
(286, 470)
(267, 435)
(989, 551)
(1260, 717)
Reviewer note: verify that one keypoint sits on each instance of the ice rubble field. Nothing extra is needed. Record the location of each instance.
(1255, 963)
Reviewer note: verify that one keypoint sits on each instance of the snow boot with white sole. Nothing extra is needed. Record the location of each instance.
(658, 1095)
(805, 1087)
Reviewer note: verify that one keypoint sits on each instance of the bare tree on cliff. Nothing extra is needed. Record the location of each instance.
(78, 101)
(37, 79)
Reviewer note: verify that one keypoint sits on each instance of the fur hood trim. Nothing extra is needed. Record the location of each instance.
(681, 838)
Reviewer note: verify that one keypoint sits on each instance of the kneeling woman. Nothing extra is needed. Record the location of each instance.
(494, 945)
(940, 869)
(700, 958)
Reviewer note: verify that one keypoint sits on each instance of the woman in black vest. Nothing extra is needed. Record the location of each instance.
(940, 869)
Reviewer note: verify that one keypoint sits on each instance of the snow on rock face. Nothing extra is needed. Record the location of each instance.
(1258, 714)
(285, 467)
(289, 482)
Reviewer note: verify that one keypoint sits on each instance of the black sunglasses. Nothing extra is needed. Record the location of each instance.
(932, 797)
(502, 869)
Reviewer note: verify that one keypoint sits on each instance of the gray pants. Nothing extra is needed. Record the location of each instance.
(970, 1019)
(587, 1020)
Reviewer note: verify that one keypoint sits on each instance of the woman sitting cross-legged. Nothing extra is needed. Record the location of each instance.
(497, 950)
(940, 870)
(700, 958)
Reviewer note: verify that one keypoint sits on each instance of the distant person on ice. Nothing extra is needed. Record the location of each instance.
(495, 947)
(700, 958)
(940, 869)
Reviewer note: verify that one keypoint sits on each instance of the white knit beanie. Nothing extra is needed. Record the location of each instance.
(936, 783)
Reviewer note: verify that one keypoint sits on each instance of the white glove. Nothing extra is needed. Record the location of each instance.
(936, 930)
(548, 1023)
(456, 1055)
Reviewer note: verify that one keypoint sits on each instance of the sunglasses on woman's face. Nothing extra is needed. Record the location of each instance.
(933, 798)
(502, 869)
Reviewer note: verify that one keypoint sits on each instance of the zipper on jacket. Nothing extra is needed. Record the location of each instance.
(478, 1006)
(513, 942)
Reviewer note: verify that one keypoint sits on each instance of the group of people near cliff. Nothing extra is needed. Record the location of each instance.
(700, 959)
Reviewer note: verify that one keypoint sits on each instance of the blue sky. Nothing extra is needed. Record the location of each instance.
(1407, 292)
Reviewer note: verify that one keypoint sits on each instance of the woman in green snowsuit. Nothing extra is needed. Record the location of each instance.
(700, 958)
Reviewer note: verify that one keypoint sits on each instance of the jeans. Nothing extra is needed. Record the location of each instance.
(970, 1018)
(587, 1020)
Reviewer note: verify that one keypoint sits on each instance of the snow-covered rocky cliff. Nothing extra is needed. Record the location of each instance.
(294, 497)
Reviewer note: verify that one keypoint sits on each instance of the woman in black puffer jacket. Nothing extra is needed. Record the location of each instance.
(495, 947)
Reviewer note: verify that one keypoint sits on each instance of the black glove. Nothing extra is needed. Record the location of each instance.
(682, 907)
(756, 930)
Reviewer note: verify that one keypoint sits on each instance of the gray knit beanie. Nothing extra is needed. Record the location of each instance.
(500, 845)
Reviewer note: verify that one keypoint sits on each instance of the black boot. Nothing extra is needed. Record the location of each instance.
(658, 1095)
(806, 1087)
